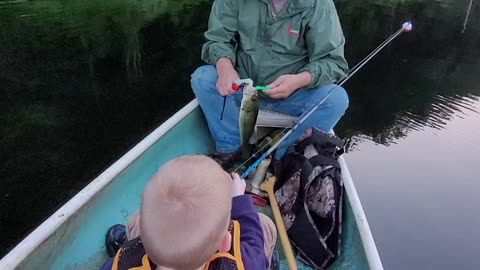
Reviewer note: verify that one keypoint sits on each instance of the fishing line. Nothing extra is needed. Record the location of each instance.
(388, 40)
(406, 27)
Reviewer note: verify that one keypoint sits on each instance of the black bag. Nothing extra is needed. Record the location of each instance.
(309, 191)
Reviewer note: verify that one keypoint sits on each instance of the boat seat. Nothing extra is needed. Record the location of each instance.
(273, 119)
(268, 120)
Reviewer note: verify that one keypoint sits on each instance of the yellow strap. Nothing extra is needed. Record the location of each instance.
(145, 264)
(222, 255)
(115, 260)
(236, 245)
(237, 254)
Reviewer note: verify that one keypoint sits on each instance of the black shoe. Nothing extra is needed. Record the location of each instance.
(225, 160)
(275, 263)
(115, 238)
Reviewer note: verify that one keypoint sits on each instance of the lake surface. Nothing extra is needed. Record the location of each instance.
(81, 82)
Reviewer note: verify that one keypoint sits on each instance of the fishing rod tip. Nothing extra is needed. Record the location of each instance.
(407, 27)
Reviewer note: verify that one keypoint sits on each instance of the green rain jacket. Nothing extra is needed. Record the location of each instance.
(306, 35)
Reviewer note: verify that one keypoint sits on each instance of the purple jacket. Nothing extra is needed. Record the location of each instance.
(251, 234)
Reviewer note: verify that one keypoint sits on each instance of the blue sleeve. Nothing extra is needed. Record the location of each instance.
(251, 234)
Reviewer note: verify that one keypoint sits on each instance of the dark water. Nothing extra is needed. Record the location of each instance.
(83, 81)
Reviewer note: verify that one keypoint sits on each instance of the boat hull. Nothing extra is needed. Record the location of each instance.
(73, 237)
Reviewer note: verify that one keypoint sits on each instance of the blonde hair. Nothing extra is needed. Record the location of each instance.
(185, 212)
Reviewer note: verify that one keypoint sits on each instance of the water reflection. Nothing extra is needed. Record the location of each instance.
(421, 79)
(416, 190)
(83, 81)
(443, 110)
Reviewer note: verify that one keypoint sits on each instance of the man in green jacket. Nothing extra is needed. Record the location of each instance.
(294, 46)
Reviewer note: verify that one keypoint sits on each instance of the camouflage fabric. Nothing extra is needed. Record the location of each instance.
(321, 194)
(310, 197)
(287, 197)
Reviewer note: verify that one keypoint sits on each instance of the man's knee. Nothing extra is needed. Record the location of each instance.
(339, 99)
(203, 77)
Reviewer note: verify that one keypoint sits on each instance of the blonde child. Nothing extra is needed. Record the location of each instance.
(194, 215)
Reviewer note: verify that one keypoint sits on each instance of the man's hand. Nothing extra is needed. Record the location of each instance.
(227, 75)
(285, 85)
(238, 186)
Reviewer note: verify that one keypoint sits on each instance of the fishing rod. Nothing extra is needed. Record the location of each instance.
(406, 27)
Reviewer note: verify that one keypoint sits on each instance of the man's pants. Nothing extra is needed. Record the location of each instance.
(225, 132)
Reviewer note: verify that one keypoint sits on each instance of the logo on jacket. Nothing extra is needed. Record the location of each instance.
(292, 32)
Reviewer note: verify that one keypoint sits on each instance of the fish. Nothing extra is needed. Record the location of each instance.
(248, 118)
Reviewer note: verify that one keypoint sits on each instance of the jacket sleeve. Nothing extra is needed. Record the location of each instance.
(251, 233)
(325, 45)
(221, 33)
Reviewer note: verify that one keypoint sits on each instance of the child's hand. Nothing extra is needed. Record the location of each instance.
(238, 185)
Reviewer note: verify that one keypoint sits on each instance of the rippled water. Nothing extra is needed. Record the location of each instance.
(83, 81)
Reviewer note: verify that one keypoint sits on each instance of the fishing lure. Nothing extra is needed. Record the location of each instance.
(238, 86)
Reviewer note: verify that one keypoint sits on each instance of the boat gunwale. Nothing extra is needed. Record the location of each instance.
(368, 242)
(47, 228)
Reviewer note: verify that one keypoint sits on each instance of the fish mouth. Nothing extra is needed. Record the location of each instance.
(250, 91)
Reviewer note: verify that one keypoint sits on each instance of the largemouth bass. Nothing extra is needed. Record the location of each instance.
(248, 117)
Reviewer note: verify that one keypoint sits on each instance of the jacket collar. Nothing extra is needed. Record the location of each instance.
(295, 6)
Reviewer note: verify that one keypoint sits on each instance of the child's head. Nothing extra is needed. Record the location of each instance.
(185, 212)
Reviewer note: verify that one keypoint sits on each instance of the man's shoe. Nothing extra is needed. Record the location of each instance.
(225, 160)
(275, 263)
